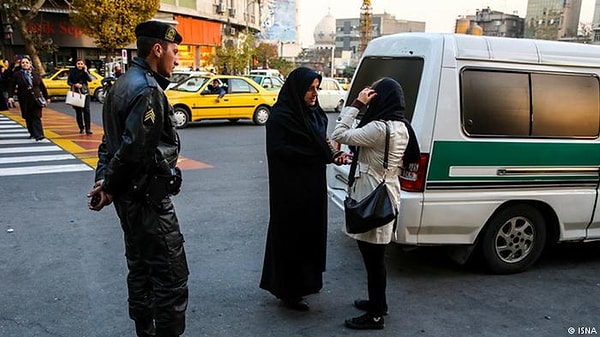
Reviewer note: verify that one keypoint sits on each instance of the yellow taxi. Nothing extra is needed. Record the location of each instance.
(194, 100)
(57, 86)
(344, 82)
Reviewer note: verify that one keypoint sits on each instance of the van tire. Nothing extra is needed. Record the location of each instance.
(514, 239)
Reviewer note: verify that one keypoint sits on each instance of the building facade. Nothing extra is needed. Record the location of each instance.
(552, 19)
(204, 25)
(489, 22)
(348, 30)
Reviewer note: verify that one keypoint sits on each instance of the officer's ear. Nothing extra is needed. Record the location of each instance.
(157, 49)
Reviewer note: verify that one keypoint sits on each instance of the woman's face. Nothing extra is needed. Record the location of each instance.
(310, 98)
(79, 64)
(25, 64)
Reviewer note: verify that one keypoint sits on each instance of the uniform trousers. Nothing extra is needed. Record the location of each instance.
(158, 271)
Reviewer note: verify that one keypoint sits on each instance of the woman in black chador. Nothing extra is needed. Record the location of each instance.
(297, 154)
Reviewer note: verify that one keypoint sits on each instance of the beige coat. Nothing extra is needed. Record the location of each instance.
(371, 139)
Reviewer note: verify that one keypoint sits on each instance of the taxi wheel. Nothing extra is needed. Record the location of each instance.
(261, 115)
(513, 239)
(182, 117)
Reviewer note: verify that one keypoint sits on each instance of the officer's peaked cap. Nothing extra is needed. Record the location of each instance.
(159, 30)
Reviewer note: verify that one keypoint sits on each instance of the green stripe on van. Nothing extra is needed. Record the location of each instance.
(447, 154)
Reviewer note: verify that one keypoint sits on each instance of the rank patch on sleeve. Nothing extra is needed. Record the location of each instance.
(149, 117)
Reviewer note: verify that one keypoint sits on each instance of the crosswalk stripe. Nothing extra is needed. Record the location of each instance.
(15, 171)
(15, 135)
(32, 159)
(17, 141)
(21, 155)
(14, 130)
(29, 149)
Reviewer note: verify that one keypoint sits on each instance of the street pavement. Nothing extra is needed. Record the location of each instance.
(63, 272)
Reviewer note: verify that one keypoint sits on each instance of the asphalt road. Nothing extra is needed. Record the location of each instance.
(62, 267)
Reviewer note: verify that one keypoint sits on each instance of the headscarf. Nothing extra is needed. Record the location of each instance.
(27, 75)
(304, 119)
(389, 105)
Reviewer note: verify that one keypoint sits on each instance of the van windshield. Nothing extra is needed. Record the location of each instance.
(407, 71)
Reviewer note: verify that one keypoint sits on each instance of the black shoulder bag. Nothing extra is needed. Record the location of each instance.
(377, 208)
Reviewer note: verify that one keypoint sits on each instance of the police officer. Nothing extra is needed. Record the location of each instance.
(136, 169)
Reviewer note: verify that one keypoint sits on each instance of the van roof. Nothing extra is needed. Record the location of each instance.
(489, 48)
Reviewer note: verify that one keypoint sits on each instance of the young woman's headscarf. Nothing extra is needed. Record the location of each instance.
(389, 105)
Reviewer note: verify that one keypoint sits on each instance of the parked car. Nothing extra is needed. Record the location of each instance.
(179, 76)
(331, 95)
(268, 82)
(57, 86)
(193, 100)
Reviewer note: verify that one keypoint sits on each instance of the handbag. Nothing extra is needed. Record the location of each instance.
(41, 101)
(75, 99)
(374, 210)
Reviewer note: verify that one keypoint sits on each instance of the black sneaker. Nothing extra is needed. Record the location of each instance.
(366, 322)
(364, 306)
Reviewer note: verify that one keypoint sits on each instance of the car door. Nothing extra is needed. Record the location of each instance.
(243, 97)
(194, 93)
(207, 105)
(57, 85)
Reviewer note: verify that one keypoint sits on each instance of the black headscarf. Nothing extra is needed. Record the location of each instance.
(308, 120)
(389, 105)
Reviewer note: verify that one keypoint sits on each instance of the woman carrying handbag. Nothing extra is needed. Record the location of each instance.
(78, 80)
(384, 114)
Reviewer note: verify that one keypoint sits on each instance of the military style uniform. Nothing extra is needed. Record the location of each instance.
(140, 145)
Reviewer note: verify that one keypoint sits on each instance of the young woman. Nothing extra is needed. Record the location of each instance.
(78, 81)
(385, 109)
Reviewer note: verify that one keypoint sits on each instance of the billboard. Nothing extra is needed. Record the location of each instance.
(278, 20)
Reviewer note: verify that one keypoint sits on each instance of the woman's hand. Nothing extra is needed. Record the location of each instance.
(366, 95)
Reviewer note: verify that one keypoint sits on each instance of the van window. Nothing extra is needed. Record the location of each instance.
(528, 104)
(406, 70)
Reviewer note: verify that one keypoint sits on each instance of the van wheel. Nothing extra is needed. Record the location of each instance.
(182, 117)
(261, 115)
(513, 239)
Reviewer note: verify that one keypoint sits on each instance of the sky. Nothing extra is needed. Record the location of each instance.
(439, 15)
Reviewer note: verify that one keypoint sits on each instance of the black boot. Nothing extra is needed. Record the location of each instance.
(145, 328)
(366, 322)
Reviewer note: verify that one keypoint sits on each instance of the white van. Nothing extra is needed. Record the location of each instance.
(509, 136)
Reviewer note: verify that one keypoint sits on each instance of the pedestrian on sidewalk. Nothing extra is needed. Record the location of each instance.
(31, 91)
(78, 81)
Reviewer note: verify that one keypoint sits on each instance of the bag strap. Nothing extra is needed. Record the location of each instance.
(385, 157)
